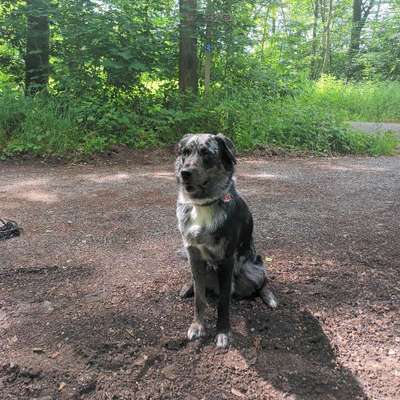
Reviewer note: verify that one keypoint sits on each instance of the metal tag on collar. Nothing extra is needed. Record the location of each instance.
(227, 198)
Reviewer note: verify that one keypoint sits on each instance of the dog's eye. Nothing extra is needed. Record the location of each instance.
(185, 152)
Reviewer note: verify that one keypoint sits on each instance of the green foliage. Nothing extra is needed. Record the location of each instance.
(364, 101)
(61, 125)
(36, 126)
(114, 67)
(300, 123)
(368, 144)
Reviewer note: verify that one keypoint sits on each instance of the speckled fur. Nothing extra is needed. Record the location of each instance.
(216, 227)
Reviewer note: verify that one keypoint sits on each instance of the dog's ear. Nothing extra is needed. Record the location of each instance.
(227, 150)
(182, 143)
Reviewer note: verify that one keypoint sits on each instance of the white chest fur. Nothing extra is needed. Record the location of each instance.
(201, 221)
(202, 216)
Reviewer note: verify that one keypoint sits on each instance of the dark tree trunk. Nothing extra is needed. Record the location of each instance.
(326, 61)
(37, 47)
(361, 11)
(228, 22)
(314, 64)
(209, 44)
(188, 78)
(355, 37)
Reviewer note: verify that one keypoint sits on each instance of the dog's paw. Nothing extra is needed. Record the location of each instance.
(223, 340)
(273, 302)
(187, 291)
(196, 331)
(268, 297)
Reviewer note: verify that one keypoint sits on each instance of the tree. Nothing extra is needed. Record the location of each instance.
(327, 9)
(208, 48)
(37, 47)
(361, 10)
(314, 73)
(188, 78)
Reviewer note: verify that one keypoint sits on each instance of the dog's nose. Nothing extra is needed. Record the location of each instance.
(186, 174)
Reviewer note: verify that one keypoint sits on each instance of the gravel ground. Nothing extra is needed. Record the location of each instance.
(89, 305)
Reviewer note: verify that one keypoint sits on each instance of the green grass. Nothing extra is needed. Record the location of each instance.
(295, 124)
(364, 101)
(35, 126)
(312, 121)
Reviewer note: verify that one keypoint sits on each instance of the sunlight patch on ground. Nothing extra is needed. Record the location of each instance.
(159, 174)
(261, 176)
(97, 178)
(37, 196)
(16, 186)
(361, 168)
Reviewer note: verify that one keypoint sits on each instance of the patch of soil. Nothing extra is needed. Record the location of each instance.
(89, 294)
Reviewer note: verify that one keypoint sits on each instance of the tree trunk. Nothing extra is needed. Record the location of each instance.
(37, 47)
(188, 79)
(209, 44)
(360, 14)
(228, 20)
(327, 45)
(264, 34)
(314, 68)
(355, 37)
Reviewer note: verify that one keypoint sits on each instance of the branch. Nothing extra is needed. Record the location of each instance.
(366, 9)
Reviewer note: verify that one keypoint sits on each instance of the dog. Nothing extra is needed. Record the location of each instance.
(217, 232)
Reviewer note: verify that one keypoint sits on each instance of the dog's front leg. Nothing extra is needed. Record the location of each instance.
(225, 271)
(199, 270)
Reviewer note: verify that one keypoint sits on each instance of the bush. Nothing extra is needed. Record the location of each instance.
(364, 101)
(311, 121)
(35, 125)
(294, 124)
(46, 125)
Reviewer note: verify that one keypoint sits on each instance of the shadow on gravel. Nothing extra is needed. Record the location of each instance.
(296, 357)
(118, 349)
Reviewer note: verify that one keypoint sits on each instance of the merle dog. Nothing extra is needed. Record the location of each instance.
(217, 231)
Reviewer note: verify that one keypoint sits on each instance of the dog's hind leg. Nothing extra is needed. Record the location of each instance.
(267, 296)
(182, 253)
(251, 280)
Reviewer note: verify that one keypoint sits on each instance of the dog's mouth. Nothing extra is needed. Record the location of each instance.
(190, 187)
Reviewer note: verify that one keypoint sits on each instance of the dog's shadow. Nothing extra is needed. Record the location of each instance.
(289, 349)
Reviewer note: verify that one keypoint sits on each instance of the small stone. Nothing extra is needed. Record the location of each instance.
(30, 373)
(169, 372)
(38, 350)
(237, 393)
(88, 387)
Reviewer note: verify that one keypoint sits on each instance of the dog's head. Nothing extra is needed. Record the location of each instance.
(204, 165)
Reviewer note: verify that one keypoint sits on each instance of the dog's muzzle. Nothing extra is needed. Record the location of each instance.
(188, 179)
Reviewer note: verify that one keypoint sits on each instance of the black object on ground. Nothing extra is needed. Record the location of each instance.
(9, 229)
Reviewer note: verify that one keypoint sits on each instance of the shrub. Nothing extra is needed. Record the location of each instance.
(365, 101)
(310, 121)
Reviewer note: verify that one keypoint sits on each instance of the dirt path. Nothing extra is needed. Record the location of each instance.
(88, 295)
(377, 127)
